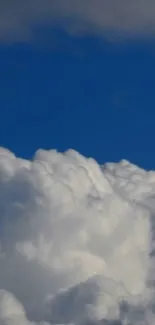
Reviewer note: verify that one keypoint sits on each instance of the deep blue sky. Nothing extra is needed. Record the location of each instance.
(92, 95)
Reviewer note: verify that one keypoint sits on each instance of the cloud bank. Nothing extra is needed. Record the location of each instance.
(18, 18)
(77, 241)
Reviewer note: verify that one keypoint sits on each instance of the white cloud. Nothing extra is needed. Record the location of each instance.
(75, 240)
(18, 18)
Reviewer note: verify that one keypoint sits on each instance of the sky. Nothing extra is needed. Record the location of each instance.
(77, 239)
(89, 90)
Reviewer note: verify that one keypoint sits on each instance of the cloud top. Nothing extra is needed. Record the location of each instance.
(76, 240)
(18, 18)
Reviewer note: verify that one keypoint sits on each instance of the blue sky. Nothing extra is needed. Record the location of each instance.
(87, 93)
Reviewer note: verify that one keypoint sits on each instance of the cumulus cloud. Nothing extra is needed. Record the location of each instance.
(123, 17)
(77, 241)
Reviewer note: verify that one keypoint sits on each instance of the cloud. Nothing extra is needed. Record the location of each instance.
(76, 241)
(18, 18)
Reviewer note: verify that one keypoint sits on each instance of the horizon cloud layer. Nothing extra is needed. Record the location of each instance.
(77, 241)
(19, 18)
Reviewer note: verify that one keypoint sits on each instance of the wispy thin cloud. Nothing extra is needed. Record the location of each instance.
(134, 17)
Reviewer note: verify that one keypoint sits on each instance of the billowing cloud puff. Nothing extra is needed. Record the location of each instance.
(77, 241)
(19, 18)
